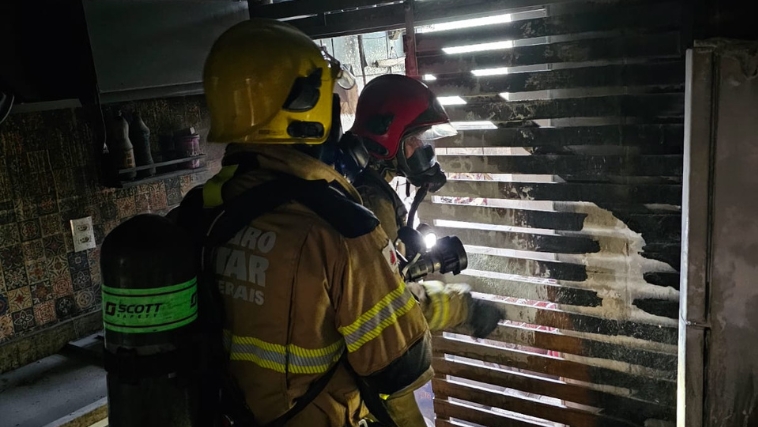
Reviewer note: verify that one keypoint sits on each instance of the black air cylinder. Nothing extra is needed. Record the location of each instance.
(150, 309)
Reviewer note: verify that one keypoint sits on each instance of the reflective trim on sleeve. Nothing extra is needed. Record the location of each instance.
(283, 359)
(440, 302)
(371, 323)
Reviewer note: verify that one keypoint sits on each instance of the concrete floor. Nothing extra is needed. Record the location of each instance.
(48, 390)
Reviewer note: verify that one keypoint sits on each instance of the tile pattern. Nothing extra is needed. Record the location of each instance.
(51, 224)
(20, 298)
(4, 305)
(9, 235)
(23, 320)
(48, 176)
(44, 312)
(6, 327)
(33, 250)
(54, 245)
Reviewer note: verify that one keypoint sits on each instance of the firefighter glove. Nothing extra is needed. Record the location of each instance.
(483, 317)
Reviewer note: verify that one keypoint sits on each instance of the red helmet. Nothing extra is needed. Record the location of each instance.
(395, 113)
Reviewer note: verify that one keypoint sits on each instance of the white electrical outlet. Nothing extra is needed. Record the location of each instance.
(84, 235)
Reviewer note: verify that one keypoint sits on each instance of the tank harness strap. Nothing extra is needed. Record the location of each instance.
(221, 223)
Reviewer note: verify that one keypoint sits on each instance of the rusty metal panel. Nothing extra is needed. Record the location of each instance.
(696, 206)
(720, 291)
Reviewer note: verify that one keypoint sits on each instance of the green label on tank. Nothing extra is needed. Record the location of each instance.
(142, 311)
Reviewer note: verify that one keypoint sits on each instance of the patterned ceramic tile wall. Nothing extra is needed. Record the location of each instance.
(49, 175)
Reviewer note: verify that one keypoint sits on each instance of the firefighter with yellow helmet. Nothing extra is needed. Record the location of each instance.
(310, 287)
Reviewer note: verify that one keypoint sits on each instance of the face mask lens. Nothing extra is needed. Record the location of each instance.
(411, 145)
(418, 154)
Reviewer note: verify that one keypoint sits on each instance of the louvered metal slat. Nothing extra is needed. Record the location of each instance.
(614, 405)
(445, 409)
(532, 289)
(650, 107)
(619, 17)
(583, 347)
(573, 417)
(657, 76)
(650, 389)
(664, 279)
(523, 241)
(564, 192)
(589, 324)
(601, 49)
(670, 136)
(618, 165)
(504, 216)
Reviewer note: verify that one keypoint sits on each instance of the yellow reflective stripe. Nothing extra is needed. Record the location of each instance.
(445, 308)
(318, 352)
(440, 302)
(436, 312)
(355, 344)
(212, 195)
(276, 357)
(365, 317)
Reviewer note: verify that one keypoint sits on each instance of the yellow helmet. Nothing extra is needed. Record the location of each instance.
(266, 82)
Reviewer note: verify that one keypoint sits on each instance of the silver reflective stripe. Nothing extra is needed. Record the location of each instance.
(253, 350)
(324, 360)
(373, 326)
(289, 359)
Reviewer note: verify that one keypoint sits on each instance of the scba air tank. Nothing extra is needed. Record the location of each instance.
(150, 312)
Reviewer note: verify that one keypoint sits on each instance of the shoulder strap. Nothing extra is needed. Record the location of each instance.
(217, 226)
(371, 178)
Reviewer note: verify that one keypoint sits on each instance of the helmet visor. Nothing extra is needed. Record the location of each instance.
(442, 130)
(340, 72)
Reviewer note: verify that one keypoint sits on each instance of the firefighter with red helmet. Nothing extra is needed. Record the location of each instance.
(398, 119)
